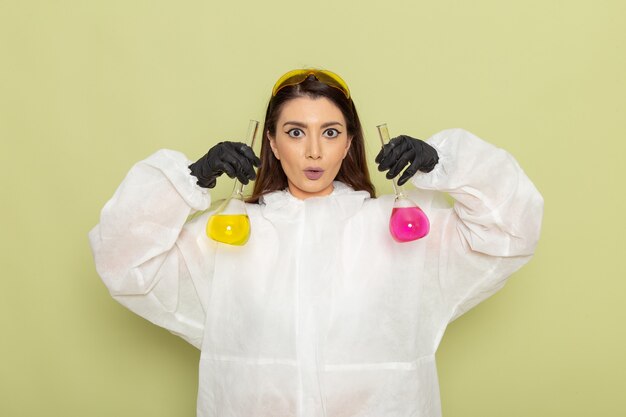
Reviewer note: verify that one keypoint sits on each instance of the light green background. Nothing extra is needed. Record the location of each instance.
(87, 88)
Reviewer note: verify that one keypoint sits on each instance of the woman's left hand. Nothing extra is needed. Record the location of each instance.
(403, 150)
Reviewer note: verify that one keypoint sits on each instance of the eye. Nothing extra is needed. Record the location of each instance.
(295, 132)
(331, 133)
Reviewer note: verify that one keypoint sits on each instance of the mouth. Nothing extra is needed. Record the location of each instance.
(313, 173)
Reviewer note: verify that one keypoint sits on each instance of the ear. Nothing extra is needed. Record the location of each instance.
(272, 144)
(345, 153)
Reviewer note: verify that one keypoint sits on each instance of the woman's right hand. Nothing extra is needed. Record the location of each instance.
(236, 159)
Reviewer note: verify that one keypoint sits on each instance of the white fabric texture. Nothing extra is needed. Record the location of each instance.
(321, 313)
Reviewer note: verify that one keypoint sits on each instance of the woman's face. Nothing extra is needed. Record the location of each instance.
(311, 142)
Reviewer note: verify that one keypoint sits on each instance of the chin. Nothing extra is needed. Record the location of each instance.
(314, 189)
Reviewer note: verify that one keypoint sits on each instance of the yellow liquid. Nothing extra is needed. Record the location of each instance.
(229, 228)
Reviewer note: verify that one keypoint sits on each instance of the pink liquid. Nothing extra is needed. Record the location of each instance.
(408, 223)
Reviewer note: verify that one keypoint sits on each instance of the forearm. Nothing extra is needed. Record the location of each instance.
(142, 221)
(498, 209)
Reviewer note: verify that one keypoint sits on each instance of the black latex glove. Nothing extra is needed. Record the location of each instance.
(236, 159)
(403, 150)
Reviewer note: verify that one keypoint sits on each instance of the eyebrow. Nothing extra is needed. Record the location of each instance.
(303, 125)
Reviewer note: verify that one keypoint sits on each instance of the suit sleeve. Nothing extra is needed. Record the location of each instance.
(492, 229)
(150, 258)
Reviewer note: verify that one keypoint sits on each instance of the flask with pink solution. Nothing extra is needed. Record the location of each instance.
(407, 222)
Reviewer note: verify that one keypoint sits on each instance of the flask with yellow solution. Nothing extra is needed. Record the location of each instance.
(232, 229)
(230, 223)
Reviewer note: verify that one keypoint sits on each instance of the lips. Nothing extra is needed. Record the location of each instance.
(313, 173)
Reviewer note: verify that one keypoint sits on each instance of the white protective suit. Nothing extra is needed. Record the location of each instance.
(321, 313)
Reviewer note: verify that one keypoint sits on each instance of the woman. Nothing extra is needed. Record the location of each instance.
(321, 313)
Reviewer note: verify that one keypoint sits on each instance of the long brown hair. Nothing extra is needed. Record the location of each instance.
(353, 171)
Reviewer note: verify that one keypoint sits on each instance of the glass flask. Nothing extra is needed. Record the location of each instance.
(407, 222)
(230, 223)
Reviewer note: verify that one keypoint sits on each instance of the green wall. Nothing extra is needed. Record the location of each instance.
(87, 88)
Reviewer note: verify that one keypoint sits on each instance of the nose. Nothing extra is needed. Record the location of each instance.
(313, 148)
